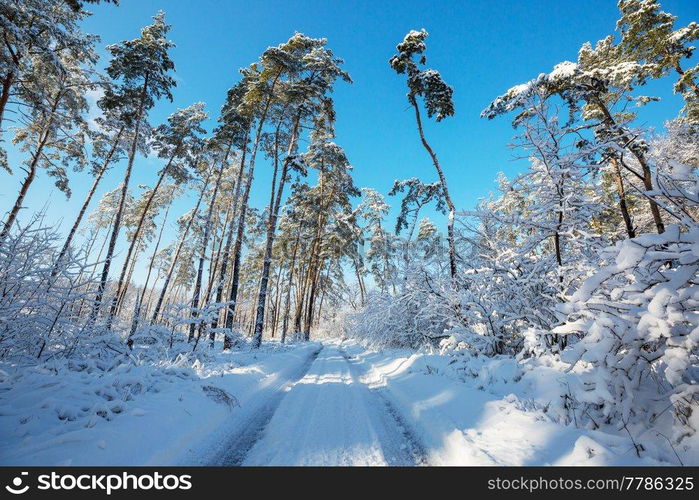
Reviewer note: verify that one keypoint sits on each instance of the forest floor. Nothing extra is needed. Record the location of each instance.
(332, 403)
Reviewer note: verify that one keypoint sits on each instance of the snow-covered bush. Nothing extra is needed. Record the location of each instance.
(423, 307)
(637, 317)
(45, 306)
(41, 299)
(412, 319)
(532, 244)
(464, 339)
(640, 328)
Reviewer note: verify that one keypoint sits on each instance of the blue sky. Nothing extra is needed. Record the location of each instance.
(481, 48)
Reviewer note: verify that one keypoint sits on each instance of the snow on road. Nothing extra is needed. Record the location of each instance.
(330, 418)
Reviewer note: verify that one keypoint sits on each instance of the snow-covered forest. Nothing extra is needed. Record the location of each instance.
(557, 322)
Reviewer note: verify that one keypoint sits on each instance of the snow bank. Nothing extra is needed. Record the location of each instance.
(91, 413)
(475, 410)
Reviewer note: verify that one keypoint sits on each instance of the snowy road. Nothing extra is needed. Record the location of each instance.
(329, 417)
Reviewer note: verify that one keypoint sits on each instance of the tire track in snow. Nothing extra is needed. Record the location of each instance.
(324, 420)
(253, 424)
(400, 445)
(410, 444)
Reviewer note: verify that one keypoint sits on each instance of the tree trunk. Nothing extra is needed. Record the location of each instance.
(322, 298)
(621, 192)
(360, 281)
(277, 297)
(557, 232)
(274, 206)
(443, 182)
(311, 304)
(31, 173)
(180, 244)
(216, 248)
(120, 212)
(654, 208)
(301, 298)
(123, 284)
(628, 143)
(5, 95)
(87, 201)
(313, 257)
(227, 341)
(287, 300)
(200, 268)
(237, 249)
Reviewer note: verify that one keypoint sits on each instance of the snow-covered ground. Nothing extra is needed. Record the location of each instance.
(305, 404)
(138, 415)
(489, 411)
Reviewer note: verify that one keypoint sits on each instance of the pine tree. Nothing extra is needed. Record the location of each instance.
(310, 70)
(417, 195)
(261, 92)
(329, 219)
(597, 90)
(235, 126)
(260, 85)
(437, 96)
(215, 154)
(139, 309)
(108, 146)
(178, 142)
(39, 37)
(52, 120)
(141, 67)
(606, 80)
(185, 222)
(381, 252)
(337, 231)
(648, 36)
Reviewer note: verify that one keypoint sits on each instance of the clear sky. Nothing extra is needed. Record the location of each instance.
(481, 48)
